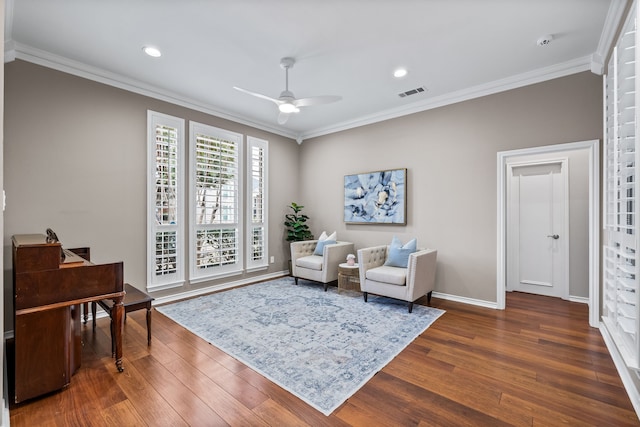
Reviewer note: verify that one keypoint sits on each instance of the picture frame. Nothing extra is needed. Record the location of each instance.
(377, 197)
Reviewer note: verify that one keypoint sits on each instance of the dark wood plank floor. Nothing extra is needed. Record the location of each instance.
(538, 363)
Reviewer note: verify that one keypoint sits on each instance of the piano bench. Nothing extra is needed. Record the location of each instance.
(134, 299)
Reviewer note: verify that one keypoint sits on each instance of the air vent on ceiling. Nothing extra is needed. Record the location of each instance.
(412, 91)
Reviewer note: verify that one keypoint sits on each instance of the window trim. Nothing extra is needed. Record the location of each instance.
(177, 279)
(196, 276)
(264, 263)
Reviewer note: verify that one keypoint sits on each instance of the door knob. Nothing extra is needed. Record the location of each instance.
(553, 236)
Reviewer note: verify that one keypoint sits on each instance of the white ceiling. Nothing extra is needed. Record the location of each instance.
(457, 49)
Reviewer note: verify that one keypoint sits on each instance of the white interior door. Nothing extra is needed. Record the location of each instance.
(537, 240)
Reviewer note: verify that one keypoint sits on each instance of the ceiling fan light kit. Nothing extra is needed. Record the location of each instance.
(287, 102)
(287, 107)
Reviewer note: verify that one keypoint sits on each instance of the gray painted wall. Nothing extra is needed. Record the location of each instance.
(451, 157)
(75, 161)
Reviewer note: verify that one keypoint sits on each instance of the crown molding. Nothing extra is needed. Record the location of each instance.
(9, 6)
(23, 52)
(69, 66)
(536, 76)
(9, 51)
(612, 22)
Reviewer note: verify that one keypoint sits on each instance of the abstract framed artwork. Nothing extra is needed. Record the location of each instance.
(376, 197)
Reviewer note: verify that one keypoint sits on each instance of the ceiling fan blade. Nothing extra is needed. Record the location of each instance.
(286, 102)
(316, 100)
(283, 117)
(258, 95)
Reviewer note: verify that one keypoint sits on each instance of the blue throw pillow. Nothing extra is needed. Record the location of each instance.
(321, 244)
(399, 254)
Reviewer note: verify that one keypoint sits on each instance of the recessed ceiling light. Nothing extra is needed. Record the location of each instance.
(400, 72)
(152, 51)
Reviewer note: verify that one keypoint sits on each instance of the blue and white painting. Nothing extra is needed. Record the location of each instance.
(375, 197)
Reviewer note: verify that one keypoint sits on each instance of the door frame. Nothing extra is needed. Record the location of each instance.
(593, 147)
(564, 165)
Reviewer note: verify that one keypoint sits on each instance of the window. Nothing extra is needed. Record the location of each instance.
(257, 256)
(621, 288)
(215, 202)
(165, 140)
(220, 227)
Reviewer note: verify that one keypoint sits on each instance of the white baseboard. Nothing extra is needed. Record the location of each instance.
(6, 417)
(629, 385)
(625, 375)
(465, 300)
(489, 304)
(582, 300)
(218, 287)
(189, 294)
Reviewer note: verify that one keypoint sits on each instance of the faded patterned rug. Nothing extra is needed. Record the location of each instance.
(320, 346)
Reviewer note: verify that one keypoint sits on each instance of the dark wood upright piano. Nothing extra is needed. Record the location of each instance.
(49, 289)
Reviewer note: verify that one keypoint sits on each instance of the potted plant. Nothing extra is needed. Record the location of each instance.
(297, 228)
(296, 223)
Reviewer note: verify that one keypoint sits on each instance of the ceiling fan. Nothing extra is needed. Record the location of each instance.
(287, 103)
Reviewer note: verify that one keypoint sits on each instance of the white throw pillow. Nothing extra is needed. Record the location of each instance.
(332, 236)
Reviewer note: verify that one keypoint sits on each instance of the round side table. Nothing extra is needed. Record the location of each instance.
(348, 277)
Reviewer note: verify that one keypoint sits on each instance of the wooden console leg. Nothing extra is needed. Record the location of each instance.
(85, 312)
(149, 325)
(117, 317)
(113, 341)
(93, 314)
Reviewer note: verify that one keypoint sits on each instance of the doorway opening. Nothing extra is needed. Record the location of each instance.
(537, 227)
(591, 148)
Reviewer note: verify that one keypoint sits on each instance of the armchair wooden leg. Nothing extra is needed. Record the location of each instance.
(365, 296)
(326, 286)
(296, 279)
(429, 297)
(410, 307)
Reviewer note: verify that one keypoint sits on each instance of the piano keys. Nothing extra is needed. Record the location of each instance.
(50, 283)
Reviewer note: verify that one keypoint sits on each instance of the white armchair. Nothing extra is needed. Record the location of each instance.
(323, 269)
(407, 284)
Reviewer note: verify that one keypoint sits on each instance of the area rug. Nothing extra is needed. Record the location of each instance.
(320, 346)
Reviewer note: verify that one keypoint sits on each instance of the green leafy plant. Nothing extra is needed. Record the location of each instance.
(296, 223)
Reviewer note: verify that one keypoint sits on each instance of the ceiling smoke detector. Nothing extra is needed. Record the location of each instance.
(544, 40)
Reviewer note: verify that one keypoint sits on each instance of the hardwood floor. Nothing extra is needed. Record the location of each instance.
(537, 363)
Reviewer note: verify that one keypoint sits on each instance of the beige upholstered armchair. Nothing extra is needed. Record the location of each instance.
(407, 284)
(318, 268)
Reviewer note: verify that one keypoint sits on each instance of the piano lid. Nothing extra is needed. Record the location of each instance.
(31, 240)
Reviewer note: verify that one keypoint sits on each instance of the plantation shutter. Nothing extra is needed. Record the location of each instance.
(216, 243)
(165, 136)
(257, 256)
(620, 258)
